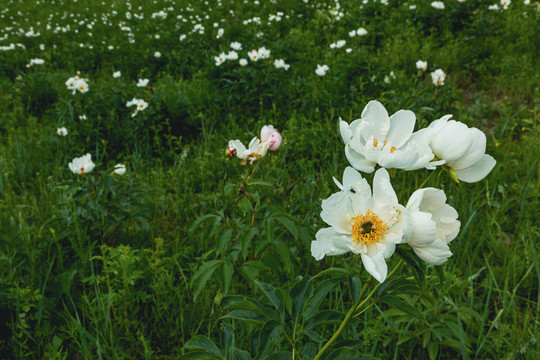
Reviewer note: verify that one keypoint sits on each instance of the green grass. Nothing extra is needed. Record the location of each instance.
(119, 267)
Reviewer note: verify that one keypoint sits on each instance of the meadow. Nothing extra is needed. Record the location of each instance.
(174, 243)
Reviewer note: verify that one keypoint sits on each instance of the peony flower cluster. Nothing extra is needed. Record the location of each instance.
(270, 140)
(139, 104)
(370, 222)
(76, 83)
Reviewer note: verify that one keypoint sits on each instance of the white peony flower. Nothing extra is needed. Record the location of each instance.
(220, 59)
(119, 169)
(253, 55)
(280, 64)
(232, 55)
(321, 70)
(157, 54)
(138, 103)
(242, 62)
(82, 165)
(235, 45)
(361, 32)
(116, 74)
(438, 77)
(461, 148)
(62, 131)
(421, 65)
(438, 5)
(434, 225)
(362, 223)
(264, 53)
(257, 149)
(376, 138)
(142, 82)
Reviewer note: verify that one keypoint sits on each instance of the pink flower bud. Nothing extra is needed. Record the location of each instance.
(230, 152)
(266, 132)
(275, 141)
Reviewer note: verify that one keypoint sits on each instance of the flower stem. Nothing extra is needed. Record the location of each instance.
(345, 321)
(354, 310)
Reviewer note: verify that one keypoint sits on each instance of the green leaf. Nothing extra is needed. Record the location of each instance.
(283, 253)
(299, 294)
(268, 335)
(324, 317)
(246, 239)
(433, 349)
(237, 354)
(227, 338)
(399, 304)
(319, 294)
(245, 315)
(412, 259)
(202, 275)
(198, 355)
(348, 353)
(223, 239)
(269, 230)
(333, 271)
(200, 220)
(261, 183)
(289, 224)
(276, 298)
(202, 342)
(226, 273)
(282, 355)
(245, 205)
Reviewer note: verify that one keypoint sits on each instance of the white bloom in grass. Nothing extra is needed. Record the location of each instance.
(182, 37)
(62, 131)
(280, 64)
(82, 117)
(505, 4)
(116, 74)
(438, 5)
(220, 59)
(35, 62)
(438, 77)
(119, 169)
(157, 54)
(257, 149)
(82, 165)
(232, 55)
(77, 84)
(235, 45)
(139, 104)
(361, 32)
(363, 223)
(242, 62)
(264, 53)
(348, 50)
(526, 2)
(421, 65)
(434, 225)
(463, 149)
(493, 7)
(352, 33)
(253, 55)
(270, 135)
(340, 44)
(376, 138)
(220, 33)
(321, 70)
(142, 82)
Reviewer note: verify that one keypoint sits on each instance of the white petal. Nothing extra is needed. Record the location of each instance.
(475, 152)
(398, 159)
(329, 242)
(377, 120)
(375, 265)
(424, 230)
(383, 193)
(478, 171)
(336, 212)
(358, 160)
(345, 131)
(401, 127)
(452, 142)
(436, 253)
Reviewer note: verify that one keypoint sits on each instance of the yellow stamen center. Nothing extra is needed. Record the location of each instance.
(392, 149)
(82, 170)
(368, 228)
(375, 143)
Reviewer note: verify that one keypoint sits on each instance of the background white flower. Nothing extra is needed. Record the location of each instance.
(82, 165)
(438, 76)
(321, 70)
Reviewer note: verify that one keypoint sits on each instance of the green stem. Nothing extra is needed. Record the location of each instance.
(426, 180)
(345, 321)
(295, 351)
(354, 309)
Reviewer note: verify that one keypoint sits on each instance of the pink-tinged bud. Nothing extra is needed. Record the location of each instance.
(266, 132)
(230, 152)
(275, 141)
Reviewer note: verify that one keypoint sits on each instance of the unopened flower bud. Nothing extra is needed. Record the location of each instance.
(230, 152)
